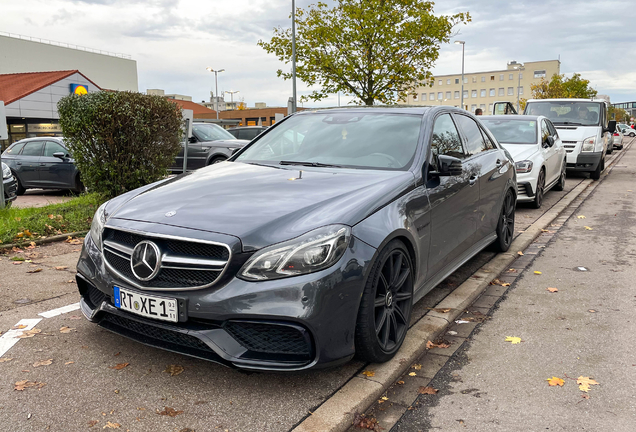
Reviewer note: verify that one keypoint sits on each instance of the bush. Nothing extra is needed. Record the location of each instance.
(120, 140)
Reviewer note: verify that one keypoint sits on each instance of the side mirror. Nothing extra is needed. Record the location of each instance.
(60, 155)
(192, 139)
(549, 141)
(611, 127)
(448, 166)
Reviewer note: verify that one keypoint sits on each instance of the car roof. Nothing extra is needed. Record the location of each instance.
(512, 117)
(566, 100)
(247, 127)
(403, 109)
(43, 138)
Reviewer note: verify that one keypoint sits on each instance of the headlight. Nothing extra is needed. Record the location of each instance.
(99, 220)
(588, 144)
(524, 166)
(6, 171)
(311, 252)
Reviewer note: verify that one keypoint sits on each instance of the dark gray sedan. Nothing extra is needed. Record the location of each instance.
(43, 163)
(308, 246)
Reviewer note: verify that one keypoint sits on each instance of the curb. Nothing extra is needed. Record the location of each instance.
(335, 414)
(40, 241)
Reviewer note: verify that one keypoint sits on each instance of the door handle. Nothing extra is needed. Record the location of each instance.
(498, 164)
(472, 180)
(42, 164)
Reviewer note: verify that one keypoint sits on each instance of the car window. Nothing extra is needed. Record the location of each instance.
(234, 133)
(33, 148)
(15, 149)
(445, 139)
(210, 132)
(509, 131)
(489, 144)
(53, 147)
(348, 139)
(545, 133)
(474, 140)
(248, 134)
(552, 129)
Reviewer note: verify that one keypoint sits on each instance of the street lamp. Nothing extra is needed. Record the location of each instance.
(463, 44)
(294, 103)
(232, 96)
(216, 90)
(519, 69)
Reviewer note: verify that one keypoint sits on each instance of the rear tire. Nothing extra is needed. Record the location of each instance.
(596, 174)
(79, 186)
(21, 188)
(217, 160)
(506, 224)
(610, 150)
(561, 183)
(538, 193)
(385, 308)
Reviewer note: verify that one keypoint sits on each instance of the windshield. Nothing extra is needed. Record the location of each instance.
(356, 140)
(567, 112)
(512, 131)
(210, 132)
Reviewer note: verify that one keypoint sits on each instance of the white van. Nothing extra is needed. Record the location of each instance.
(584, 129)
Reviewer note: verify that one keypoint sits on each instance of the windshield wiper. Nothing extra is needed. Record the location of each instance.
(568, 123)
(309, 164)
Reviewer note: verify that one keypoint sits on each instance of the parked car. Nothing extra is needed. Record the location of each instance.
(247, 132)
(310, 245)
(618, 139)
(9, 184)
(42, 163)
(628, 131)
(539, 155)
(208, 145)
(584, 128)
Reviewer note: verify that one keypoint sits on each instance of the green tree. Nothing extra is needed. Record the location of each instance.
(561, 87)
(618, 114)
(373, 50)
(120, 140)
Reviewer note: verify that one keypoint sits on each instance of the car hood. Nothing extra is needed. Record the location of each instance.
(521, 152)
(227, 142)
(576, 133)
(263, 205)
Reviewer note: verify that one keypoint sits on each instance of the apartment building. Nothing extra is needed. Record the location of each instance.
(482, 89)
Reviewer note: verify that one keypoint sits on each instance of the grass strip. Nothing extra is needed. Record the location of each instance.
(23, 225)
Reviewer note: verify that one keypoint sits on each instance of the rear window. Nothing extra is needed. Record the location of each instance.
(512, 131)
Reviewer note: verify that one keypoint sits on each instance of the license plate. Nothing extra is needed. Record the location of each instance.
(160, 308)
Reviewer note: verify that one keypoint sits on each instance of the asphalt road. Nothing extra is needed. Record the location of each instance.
(82, 387)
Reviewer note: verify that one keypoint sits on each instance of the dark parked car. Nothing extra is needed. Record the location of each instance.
(308, 246)
(42, 163)
(9, 184)
(208, 145)
(247, 132)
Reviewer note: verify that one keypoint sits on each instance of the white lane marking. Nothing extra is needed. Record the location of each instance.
(60, 311)
(9, 339)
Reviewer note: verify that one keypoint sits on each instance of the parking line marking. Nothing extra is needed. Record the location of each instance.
(60, 311)
(9, 339)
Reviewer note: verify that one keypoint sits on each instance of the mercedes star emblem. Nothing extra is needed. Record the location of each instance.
(145, 260)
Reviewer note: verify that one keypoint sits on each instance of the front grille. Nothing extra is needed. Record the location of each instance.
(270, 338)
(143, 331)
(185, 264)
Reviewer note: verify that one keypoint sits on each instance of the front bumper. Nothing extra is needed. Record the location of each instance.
(287, 324)
(585, 162)
(525, 191)
(10, 186)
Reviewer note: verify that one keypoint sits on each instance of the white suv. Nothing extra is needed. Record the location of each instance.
(583, 127)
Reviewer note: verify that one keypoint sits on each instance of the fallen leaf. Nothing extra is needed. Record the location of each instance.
(441, 310)
(554, 381)
(368, 373)
(174, 370)
(520, 253)
(588, 228)
(584, 383)
(17, 263)
(18, 327)
(37, 270)
(412, 374)
(61, 267)
(581, 217)
(21, 385)
(92, 423)
(169, 412)
(417, 366)
(552, 290)
(400, 382)
(110, 425)
(591, 310)
(28, 333)
(66, 329)
(505, 284)
(2, 360)
(427, 390)
(537, 272)
(440, 343)
(68, 363)
(42, 363)
(384, 398)
(362, 422)
(119, 366)
(513, 339)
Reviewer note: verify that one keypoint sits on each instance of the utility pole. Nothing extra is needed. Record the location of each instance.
(231, 92)
(463, 44)
(294, 103)
(519, 69)
(216, 90)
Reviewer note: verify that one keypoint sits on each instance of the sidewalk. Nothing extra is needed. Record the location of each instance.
(585, 329)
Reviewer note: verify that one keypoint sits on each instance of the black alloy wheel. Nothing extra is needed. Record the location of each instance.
(538, 194)
(385, 309)
(561, 183)
(21, 188)
(506, 224)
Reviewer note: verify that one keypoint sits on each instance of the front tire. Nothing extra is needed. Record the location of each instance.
(596, 174)
(385, 308)
(561, 183)
(538, 194)
(506, 224)
(217, 160)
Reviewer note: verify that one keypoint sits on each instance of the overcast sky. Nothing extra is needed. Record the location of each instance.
(173, 41)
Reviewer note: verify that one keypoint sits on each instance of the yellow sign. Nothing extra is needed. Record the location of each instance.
(78, 89)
